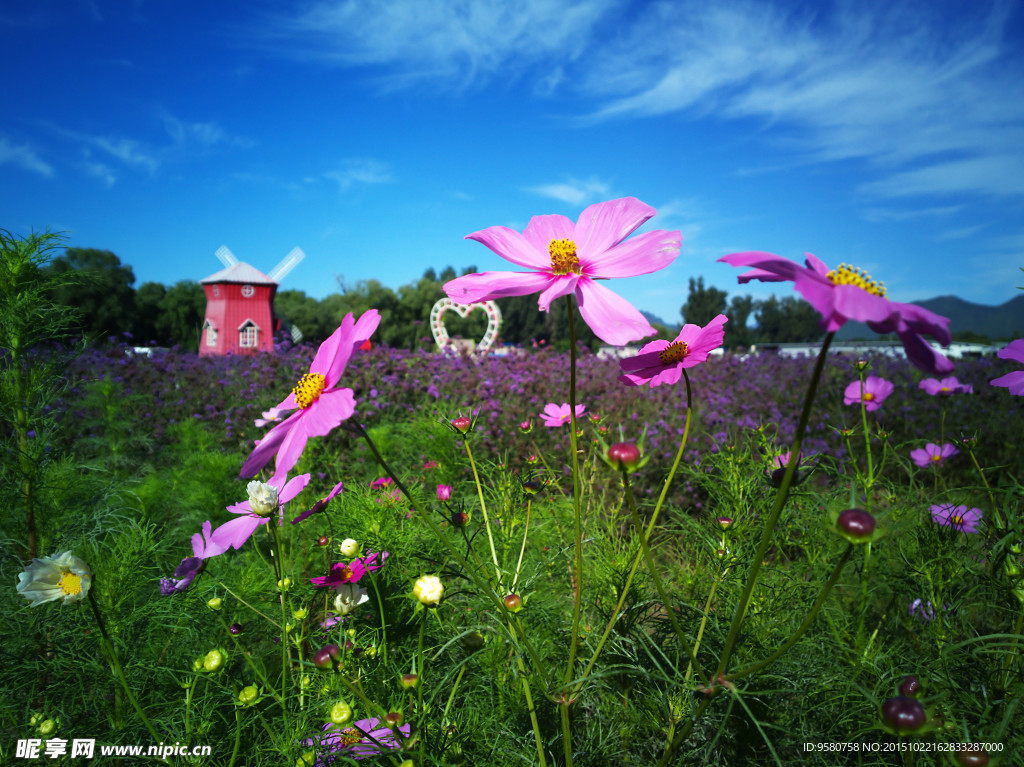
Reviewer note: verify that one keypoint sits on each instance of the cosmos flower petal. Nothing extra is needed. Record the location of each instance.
(767, 266)
(488, 286)
(295, 486)
(331, 348)
(267, 447)
(562, 285)
(1015, 382)
(647, 252)
(540, 232)
(1012, 351)
(358, 335)
(291, 449)
(612, 318)
(237, 531)
(921, 353)
(332, 408)
(606, 224)
(514, 247)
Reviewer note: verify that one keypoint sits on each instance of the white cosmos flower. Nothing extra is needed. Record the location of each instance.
(429, 590)
(262, 498)
(64, 577)
(349, 598)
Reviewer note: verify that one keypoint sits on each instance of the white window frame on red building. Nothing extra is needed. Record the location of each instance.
(248, 335)
(211, 333)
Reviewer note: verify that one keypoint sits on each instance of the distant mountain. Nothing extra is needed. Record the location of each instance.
(997, 322)
(654, 318)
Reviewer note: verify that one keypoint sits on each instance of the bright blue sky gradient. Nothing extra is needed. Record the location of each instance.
(376, 135)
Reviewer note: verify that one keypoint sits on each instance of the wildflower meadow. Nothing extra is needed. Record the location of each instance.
(350, 553)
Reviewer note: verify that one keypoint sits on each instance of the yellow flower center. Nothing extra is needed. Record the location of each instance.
(936, 458)
(70, 583)
(563, 257)
(308, 389)
(848, 275)
(956, 520)
(350, 736)
(674, 352)
(944, 388)
(868, 396)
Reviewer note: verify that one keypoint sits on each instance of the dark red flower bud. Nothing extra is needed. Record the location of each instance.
(326, 656)
(903, 714)
(323, 540)
(624, 455)
(462, 424)
(513, 602)
(971, 755)
(910, 686)
(856, 525)
(235, 629)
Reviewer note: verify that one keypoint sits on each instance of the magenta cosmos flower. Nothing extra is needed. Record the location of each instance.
(873, 393)
(958, 517)
(1015, 381)
(566, 259)
(365, 738)
(945, 387)
(203, 547)
(350, 573)
(558, 415)
(662, 362)
(320, 505)
(844, 294)
(933, 455)
(265, 498)
(322, 404)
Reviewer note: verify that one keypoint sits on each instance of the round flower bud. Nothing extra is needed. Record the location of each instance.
(460, 518)
(903, 714)
(393, 718)
(235, 629)
(349, 547)
(197, 665)
(910, 686)
(462, 424)
(531, 487)
(724, 522)
(513, 603)
(623, 455)
(214, 661)
(323, 540)
(284, 585)
(308, 759)
(971, 755)
(409, 680)
(215, 604)
(249, 695)
(473, 642)
(341, 712)
(306, 682)
(47, 727)
(429, 590)
(326, 657)
(526, 426)
(300, 614)
(856, 525)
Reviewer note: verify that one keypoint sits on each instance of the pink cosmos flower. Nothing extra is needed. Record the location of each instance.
(351, 573)
(945, 387)
(320, 505)
(365, 738)
(958, 517)
(240, 529)
(444, 492)
(846, 293)
(558, 415)
(381, 483)
(1015, 381)
(662, 362)
(322, 404)
(566, 259)
(269, 416)
(873, 394)
(203, 548)
(933, 455)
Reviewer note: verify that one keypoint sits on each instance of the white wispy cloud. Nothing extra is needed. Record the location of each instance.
(881, 215)
(930, 95)
(23, 156)
(449, 43)
(360, 170)
(573, 191)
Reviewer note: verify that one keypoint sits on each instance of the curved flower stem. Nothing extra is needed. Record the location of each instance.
(522, 549)
(869, 479)
(704, 617)
(815, 609)
(578, 517)
(647, 536)
(658, 585)
(991, 498)
(115, 665)
(776, 512)
(419, 673)
(267, 618)
(238, 737)
(483, 508)
(285, 650)
(516, 626)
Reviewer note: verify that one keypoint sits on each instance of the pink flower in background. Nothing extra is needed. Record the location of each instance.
(958, 517)
(933, 455)
(945, 387)
(267, 498)
(662, 362)
(844, 294)
(558, 415)
(874, 392)
(444, 492)
(1015, 381)
(566, 259)
(351, 573)
(381, 483)
(269, 416)
(322, 404)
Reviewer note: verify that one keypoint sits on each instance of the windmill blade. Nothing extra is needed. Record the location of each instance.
(287, 264)
(226, 256)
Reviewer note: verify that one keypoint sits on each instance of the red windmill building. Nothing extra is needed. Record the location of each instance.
(240, 305)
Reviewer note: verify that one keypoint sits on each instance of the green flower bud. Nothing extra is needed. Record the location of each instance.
(214, 661)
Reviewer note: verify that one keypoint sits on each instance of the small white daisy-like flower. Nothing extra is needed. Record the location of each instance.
(349, 598)
(262, 498)
(64, 577)
(429, 590)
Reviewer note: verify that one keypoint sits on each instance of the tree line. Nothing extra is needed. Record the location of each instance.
(102, 289)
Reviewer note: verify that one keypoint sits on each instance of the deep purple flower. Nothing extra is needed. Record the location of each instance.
(933, 455)
(958, 517)
(366, 737)
(1015, 381)
(203, 547)
(844, 294)
(349, 573)
(320, 505)
(662, 362)
(945, 387)
(873, 393)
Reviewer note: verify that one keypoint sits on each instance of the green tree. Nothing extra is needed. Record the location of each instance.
(703, 304)
(736, 331)
(104, 295)
(790, 320)
(147, 312)
(181, 314)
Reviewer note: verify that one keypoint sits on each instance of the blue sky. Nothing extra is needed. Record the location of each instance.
(376, 134)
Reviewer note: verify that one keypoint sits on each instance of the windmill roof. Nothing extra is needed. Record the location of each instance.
(240, 272)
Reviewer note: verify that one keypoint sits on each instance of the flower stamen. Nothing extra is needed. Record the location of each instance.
(308, 389)
(350, 736)
(956, 520)
(845, 274)
(674, 352)
(70, 583)
(563, 257)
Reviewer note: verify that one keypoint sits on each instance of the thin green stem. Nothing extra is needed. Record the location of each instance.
(266, 617)
(383, 623)
(483, 508)
(869, 480)
(285, 650)
(991, 498)
(238, 737)
(677, 741)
